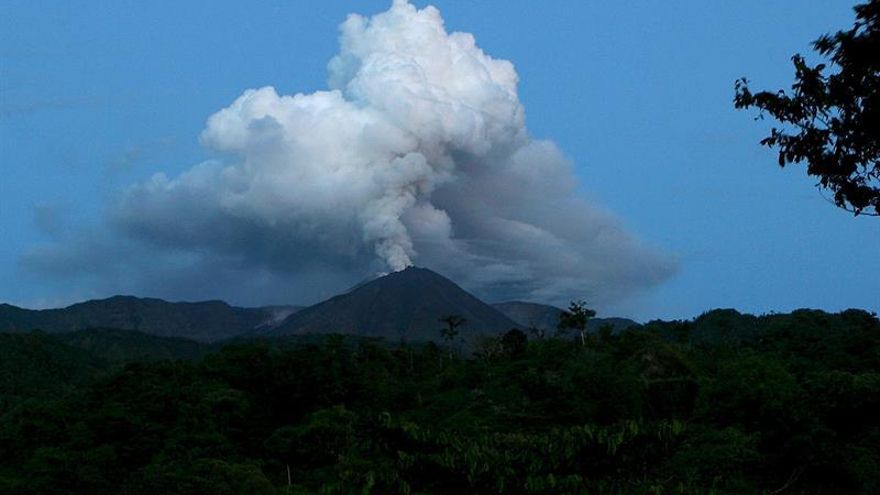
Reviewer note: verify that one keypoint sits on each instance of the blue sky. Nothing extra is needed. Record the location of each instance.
(97, 96)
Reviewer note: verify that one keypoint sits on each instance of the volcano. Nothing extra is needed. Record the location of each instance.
(404, 305)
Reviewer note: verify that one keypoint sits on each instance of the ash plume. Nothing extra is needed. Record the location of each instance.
(417, 153)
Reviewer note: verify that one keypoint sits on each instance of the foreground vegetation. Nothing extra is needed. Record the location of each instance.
(726, 403)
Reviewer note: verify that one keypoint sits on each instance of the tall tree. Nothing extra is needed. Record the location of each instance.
(450, 331)
(831, 117)
(576, 318)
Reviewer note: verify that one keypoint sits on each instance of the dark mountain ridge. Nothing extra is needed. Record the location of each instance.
(545, 317)
(206, 321)
(404, 305)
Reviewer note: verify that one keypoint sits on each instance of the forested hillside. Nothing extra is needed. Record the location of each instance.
(726, 403)
(206, 321)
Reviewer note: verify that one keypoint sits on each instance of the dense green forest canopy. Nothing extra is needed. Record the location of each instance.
(724, 403)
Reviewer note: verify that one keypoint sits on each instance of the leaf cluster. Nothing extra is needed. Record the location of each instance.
(831, 117)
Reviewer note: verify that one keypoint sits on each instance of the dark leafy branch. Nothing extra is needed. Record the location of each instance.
(830, 119)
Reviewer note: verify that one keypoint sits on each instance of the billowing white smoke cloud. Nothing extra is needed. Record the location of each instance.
(417, 153)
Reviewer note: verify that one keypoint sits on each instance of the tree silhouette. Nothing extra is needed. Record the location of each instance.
(830, 120)
(450, 331)
(576, 318)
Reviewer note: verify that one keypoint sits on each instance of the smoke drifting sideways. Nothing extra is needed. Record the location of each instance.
(417, 153)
